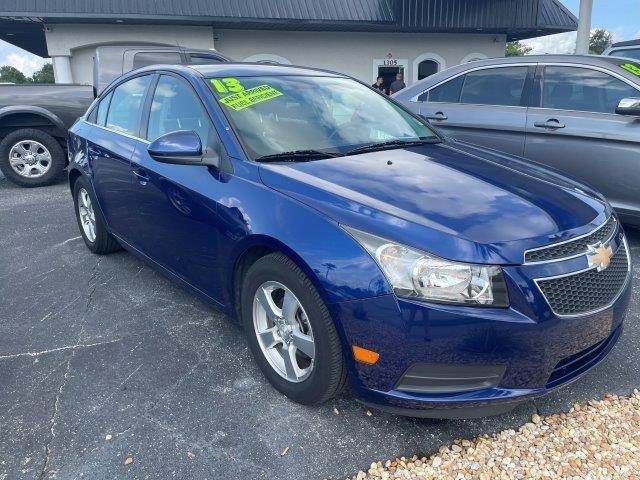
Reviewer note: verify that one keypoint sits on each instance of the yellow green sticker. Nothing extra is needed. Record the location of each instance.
(250, 97)
(630, 67)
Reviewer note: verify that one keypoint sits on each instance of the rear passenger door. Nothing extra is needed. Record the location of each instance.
(485, 106)
(575, 129)
(116, 123)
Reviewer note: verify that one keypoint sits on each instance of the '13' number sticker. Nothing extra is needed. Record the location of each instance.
(226, 85)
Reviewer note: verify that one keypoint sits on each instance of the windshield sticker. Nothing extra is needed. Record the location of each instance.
(226, 85)
(250, 97)
(630, 67)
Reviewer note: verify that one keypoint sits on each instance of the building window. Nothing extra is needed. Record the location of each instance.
(426, 68)
(426, 65)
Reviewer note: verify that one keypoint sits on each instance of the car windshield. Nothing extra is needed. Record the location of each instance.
(275, 115)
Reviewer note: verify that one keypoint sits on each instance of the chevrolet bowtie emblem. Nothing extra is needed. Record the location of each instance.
(599, 256)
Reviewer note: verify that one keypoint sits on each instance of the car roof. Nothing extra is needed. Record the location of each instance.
(258, 69)
(606, 62)
(628, 43)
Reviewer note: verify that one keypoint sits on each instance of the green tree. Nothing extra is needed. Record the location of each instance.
(9, 74)
(599, 41)
(44, 75)
(517, 49)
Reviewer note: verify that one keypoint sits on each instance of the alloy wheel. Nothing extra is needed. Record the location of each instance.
(87, 215)
(283, 331)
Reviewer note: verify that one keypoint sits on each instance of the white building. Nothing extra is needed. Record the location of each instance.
(363, 38)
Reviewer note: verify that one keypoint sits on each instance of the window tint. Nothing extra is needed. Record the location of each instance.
(143, 59)
(199, 59)
(447, 92)
(103, 108)
(175, 106)
(582, 89)
(494, 86)
(627, 53)
(126, 103)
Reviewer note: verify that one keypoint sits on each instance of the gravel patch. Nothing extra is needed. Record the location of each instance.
(597, 440)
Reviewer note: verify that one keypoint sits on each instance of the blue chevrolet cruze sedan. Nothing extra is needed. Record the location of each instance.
(354, 244)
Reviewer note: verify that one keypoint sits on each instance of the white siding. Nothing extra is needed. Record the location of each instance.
(353, 53)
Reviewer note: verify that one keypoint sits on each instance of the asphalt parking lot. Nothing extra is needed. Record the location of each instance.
(94, 346)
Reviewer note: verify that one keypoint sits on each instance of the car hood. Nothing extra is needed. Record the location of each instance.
(455, 200)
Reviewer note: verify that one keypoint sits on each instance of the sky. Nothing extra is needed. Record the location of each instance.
(620, 17)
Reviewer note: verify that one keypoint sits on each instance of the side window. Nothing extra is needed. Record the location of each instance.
(627, 53)
(448, 92)
(583, 89)
(98, 114)
(126, 104)
(494, 86)
(176, 106)
(143, 59)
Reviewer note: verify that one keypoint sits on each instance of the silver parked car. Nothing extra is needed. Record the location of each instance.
(578, 114)
(628, 49)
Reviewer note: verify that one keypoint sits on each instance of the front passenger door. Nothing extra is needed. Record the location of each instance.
(485, 107)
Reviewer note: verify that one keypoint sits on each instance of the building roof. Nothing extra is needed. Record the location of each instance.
(21, 21)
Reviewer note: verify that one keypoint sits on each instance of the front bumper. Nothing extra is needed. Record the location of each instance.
(534, 350)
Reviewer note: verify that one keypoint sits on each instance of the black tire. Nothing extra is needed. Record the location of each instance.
(104, 242)
(328, 377)
(58, 161)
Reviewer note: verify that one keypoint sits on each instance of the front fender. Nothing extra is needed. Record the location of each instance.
(338, 266)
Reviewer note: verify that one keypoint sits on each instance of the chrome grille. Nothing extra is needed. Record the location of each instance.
(587, 291)
(573, 247)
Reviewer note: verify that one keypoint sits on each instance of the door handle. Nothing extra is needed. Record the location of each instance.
(437, 116)
(551, 124)
(142, 176)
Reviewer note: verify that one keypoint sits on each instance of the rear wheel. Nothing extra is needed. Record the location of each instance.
(290, 331)
(92, 226)
(31, 157)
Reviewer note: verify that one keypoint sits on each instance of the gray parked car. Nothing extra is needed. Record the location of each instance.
(578, 114)
(628, 49)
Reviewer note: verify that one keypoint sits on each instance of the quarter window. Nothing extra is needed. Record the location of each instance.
(583, 89)
(126, 104)
(494, 86)
(103, 108)
(175, 106)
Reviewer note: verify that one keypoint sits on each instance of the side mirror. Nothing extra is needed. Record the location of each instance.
(629, 106)
(182, 147)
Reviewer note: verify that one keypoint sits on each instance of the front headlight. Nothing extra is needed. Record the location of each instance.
(419, 275)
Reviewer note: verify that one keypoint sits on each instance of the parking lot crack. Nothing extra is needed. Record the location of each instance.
(54, 418)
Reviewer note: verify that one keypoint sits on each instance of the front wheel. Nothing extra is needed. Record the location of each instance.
(290, 331)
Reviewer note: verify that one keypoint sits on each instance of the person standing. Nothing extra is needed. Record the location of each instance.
(397, 85)
(379, 85)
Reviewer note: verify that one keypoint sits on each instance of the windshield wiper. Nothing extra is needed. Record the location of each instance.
(391, 144)
(296, 156)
